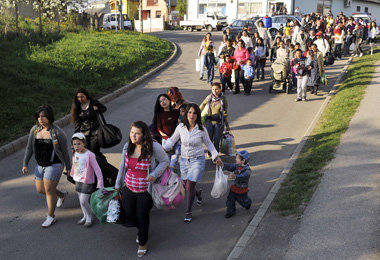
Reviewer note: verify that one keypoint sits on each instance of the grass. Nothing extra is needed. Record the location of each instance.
(49, 70)
(302, 180)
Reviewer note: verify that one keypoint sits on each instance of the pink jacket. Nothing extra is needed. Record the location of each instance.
(203, 49)
(91, 167)
(241, 55)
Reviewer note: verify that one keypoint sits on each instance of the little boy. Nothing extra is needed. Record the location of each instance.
(249, 71)
(347, 43)
(241, 171)
(210, 62)
(226, 71)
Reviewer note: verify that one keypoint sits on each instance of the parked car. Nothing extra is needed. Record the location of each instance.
(238, 25)
(110, 21)
(365, 16)
(281, 19)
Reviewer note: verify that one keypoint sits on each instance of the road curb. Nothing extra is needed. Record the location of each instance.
(21, 142)
(252, 226)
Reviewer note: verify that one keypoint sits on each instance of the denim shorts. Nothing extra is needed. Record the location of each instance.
(52, 172)
(192, 169)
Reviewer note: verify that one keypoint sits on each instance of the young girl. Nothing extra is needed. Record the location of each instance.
(84, 165)
(260, 53)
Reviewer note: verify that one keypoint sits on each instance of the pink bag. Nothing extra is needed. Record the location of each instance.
(169, 193)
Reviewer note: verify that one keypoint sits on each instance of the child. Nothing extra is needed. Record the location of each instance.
(82, 171)
(303, 67)
(249, 74)
(241, 171)
(291, 51)
(210, 62)
(177, 147)
(347, 43)
(226, 70)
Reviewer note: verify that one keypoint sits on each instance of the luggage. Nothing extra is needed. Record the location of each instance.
(227, 144)
(329, 59)
(99, 202)
(108, 135)
(220, 186)
(169, 192)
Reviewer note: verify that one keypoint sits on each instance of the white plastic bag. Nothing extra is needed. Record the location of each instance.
(198, 64)
(113, 211)
(233, 76)
(352, 47)
(220, 184)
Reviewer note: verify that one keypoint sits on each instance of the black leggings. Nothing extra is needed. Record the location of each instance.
(137, 208)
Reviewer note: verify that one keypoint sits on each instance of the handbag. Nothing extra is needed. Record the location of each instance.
(108, 135)
(220, 186)
(227, 144)
(69, 178)
(169, 192)
(204, 114)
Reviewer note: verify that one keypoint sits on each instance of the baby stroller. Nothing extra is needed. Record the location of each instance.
(281, 77)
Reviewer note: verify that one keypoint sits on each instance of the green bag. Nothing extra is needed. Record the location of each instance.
(323, 78)
(99, 202)
(204, 114)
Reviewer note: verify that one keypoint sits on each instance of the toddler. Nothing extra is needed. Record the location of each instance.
(210, 62)
(83, 167)
(249, 74)
(226, 70)
(241, 172)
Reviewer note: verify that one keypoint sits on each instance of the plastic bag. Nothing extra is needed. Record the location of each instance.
(352, 47)
(220, 184)
(227, 144)
(113, 211)
(197, 64)
(99, 202)
(323, 78)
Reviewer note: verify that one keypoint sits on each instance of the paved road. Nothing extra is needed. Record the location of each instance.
(342, 220)
(269, 126)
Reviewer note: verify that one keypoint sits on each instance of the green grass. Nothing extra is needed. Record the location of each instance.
(49, 71)
(302, 180)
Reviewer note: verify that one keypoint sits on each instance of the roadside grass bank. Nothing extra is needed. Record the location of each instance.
(303, 178)
(49, 70)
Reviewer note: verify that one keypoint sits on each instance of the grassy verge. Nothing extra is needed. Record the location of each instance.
(48, 72)
(302, 180)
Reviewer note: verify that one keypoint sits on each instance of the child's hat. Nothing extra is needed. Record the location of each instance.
(244, 154)
(80, 136)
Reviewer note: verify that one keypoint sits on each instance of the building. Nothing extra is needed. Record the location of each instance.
(100, 7)
(241, 9)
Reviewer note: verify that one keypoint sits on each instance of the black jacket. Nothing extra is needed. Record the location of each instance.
(210, 59)
(87, 121)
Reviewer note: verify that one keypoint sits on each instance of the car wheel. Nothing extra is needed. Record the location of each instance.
(189, 28)
(209, 28)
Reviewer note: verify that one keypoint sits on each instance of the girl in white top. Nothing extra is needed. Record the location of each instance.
(247, 40)
(372, 32)
(192, 135)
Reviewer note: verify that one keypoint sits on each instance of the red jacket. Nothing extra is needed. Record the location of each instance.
(227, 67)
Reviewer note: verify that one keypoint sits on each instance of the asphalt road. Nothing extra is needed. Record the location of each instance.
(269, 126)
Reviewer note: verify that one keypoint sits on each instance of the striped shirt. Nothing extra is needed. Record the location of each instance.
(136, 173)
(192, 142)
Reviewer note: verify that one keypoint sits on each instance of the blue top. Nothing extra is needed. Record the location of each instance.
(248, 71)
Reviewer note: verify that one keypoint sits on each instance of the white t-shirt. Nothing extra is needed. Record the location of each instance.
(79, 164)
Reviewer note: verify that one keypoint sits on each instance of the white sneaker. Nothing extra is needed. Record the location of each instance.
(356, 55)
(48, 222)
(361, 54)
(61, 200)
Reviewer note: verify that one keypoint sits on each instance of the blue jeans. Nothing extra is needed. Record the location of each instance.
(210, 74)
(338, 50)
(192, 168)
(226, 81)
(215, 133)
(52, 172)
(242, 199)
(260, 68)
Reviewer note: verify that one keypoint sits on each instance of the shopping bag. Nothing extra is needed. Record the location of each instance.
(227, 144)
(197, 64)
(169, 192)
(204, 114)
(233, 76)
(323, 78)
(352, 47)
(220, 186)
(115, 212)
(99, 202)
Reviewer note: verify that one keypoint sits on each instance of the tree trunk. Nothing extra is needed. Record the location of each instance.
(59, 21)
(16, 17)
(141, 17)
(40, 19)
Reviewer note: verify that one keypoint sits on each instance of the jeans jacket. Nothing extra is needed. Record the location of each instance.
(241, 179)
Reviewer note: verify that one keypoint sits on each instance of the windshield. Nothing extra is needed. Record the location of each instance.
(220, 16)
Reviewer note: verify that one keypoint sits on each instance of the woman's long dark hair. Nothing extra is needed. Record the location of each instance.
(198, 111)
(147, 145)
(48, 112)
(158, 108)
(76, 105)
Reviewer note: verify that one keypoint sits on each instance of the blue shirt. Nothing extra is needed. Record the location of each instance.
(248, 71)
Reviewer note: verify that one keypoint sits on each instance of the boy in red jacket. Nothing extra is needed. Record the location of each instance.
(226, 70)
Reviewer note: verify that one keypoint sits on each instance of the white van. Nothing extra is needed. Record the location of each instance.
(110, 21)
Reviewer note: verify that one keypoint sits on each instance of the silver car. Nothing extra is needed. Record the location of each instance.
(281, 19)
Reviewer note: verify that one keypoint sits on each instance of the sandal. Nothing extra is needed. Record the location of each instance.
(188, 217)
(142, 250)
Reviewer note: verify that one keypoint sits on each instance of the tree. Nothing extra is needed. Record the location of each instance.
(181, 7)
(5, 8)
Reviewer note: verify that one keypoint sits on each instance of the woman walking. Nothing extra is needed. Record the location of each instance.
(241, 55)
(206, 42)
(217, 116)
(192, 135)
(49, 145)
(142, 162)
(260, 54)
(176, 97)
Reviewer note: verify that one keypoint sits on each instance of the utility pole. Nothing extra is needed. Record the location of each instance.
(121, 16)
(117, 23)
(141, 17)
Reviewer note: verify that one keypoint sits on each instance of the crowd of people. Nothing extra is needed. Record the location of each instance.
(179, 130)
(307, 46)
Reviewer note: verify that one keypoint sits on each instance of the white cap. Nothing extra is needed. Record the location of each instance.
(80, 136)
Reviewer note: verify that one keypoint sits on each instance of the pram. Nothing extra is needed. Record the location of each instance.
(281, 76)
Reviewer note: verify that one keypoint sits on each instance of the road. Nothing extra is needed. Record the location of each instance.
(269, 126)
